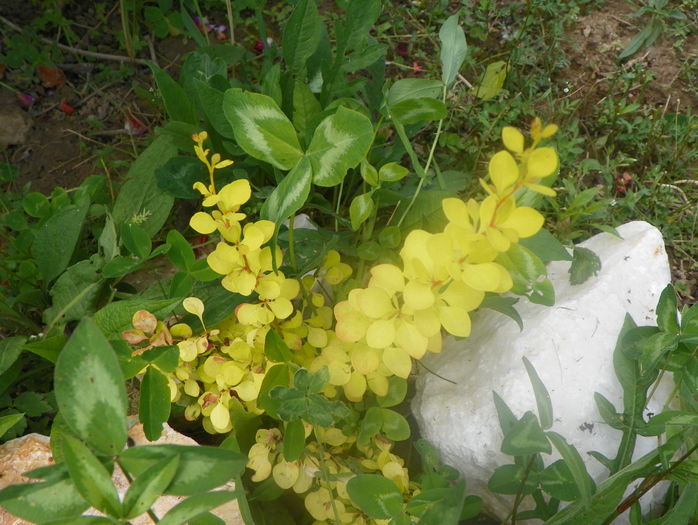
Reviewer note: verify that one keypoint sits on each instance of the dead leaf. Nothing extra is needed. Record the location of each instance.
(50, 76)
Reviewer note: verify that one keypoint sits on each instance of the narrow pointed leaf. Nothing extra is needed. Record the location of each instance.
(573, 460)
(90, 477)
(667, 319)
(525, 437)
(154, 407)
(294, 440)
(545, 406)
(196, 505)
(301, 34)
(34, 501)
(148, 487)
(289, 196)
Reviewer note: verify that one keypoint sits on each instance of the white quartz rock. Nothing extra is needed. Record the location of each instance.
(570, 345)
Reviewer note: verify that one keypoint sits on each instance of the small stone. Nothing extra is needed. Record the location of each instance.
(14, 125)
(570, 345)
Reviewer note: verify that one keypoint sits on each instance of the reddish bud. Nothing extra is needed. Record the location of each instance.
(65, 107)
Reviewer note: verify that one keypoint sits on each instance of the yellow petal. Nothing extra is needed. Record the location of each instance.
(234, 194)
(513, 139)
(542, 162)
(549, 131)
(220, 416)
(525, 221)
(378, 383)
(418, 296)
(374, 302)
(388, 277)
(380, 333)
(202, 222)
(456, 211)
(398, 361)
(232, 373)
(355, 388)
(286, 473)
(543, 190)
(503, 171)
(223, 259)
(364, 359)
(484, 277)
(281, 307)
(455, 321)
(463, 296)
(427, 322)
(411, 340)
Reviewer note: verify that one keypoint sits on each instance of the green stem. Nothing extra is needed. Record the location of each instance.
(291, 247)
(130, 481)
(326, 478)
(519, 494)
(338, 195)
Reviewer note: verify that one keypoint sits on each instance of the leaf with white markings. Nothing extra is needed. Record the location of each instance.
(261, 128)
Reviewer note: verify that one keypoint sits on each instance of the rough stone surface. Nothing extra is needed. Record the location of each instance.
(14, 125)
(33, 451)
(570, 344)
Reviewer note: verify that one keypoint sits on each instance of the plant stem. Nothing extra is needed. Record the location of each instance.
(326, 477)
(291, 248)
(519, 494)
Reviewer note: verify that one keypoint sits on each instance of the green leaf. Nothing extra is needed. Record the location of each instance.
(48, 348)
(492, 81)
(439, 506)
(90, 477)
(608, 412)
(506, 417)
(503, 305)
(414, 110)
(684, 511)
(211, 102)
(360, 210)
(33, 502)
(301, 35)
(525, 437)
(453, 49)
(10, 348)
(395, 426)
(546, 247)
(655, 348)
(148, 487)
(667, 318)
(140, 200)
(556, 479)
(166, 358)
(200, 468)
(276, 348)
(261, 128)
(180, 253)
(573, 460)
(294, 440)
(409, 88)
(370, 426)
(136, 240)
(55, 241)
(636, 43)
(392, 172)
(369, 173)
(32, 404)
(305, 107)
(7, 422)
(196, 505)
(90, 390)
(375, 495)
(585, 263)
(36, 205)
(107, 239)
(83, 520)
(545, 406)
(339, 143)
(397, 390)
(507, 479)
(154, 406)
(177, 176)
(116, 317)
(177, 104)
(277, 375)
(290, 195)
(75, 294)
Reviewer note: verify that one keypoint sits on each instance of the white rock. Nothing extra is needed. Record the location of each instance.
(570, 345)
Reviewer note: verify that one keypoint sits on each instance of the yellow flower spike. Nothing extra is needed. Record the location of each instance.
(513, 139)
(541, 163)
(285, 473)
(398, 361)
(503, 171)
(215, 159)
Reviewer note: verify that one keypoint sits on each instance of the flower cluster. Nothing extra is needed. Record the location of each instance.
(366, 341)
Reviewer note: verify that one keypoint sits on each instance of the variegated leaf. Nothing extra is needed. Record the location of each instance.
(261, 128)
(339, 143)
